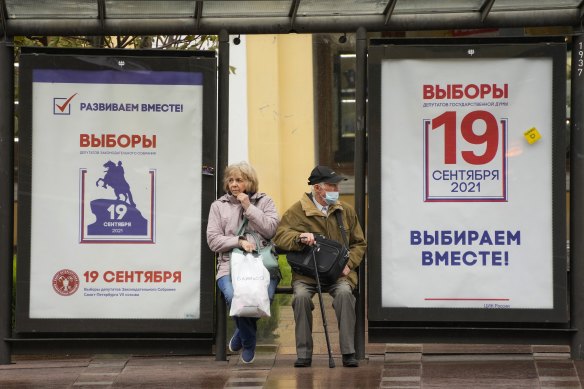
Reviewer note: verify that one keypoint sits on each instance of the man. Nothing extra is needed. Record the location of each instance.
(315, 214)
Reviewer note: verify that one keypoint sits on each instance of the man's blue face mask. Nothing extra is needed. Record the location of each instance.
(331, 197)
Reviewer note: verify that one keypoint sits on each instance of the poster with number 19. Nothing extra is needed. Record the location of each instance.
(466, 156)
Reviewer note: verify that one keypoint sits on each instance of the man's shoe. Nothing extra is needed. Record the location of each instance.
(303, 362)
(248, 355)
(235, 343)
(349, 360)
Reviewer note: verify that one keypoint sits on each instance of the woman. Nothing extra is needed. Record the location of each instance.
(225, 217)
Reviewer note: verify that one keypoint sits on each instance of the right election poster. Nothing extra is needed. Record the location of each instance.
(464, 142)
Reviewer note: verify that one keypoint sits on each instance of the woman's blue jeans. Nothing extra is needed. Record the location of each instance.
(247, 325)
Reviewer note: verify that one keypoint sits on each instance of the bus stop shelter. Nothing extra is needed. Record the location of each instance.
(225, 18)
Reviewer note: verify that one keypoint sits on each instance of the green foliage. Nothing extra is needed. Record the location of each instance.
(267, 326)
(169, 42)
(284, 299)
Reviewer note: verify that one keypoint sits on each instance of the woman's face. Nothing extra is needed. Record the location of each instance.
(237, 184)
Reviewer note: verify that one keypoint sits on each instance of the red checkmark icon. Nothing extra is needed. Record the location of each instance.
(65, 104)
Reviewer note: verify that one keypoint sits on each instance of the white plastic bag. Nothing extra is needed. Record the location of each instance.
(250, 280)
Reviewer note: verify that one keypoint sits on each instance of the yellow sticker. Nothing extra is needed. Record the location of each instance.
(532, 135)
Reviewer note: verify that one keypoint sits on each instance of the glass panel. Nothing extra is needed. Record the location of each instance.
(246, 8)
(149, 9)
(341, 7)
(508, 5)
(334, 89)
(346, 63)
(433, 6)
(40, 9)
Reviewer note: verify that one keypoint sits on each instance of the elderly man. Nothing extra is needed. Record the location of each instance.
(315, 214)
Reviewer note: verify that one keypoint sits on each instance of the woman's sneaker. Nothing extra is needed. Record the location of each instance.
(235, 343)
(248, 355)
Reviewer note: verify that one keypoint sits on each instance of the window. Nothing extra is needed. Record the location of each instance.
(334, 67)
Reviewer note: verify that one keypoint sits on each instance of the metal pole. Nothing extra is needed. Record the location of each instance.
(360, 172)
(576, 193)
(222, 160)
(6, 195)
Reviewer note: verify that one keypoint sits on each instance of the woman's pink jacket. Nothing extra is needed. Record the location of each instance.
(225, 217)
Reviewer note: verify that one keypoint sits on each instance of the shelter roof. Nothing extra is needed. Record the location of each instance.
(160, 17)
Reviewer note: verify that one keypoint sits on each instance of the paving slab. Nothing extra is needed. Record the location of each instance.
(395, 366)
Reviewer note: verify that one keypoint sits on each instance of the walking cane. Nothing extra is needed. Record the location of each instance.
(318, 288)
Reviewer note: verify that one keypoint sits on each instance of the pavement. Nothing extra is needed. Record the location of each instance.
(395, 366)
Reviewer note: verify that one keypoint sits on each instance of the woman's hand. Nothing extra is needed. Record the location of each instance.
(246, 246)
(243, 198)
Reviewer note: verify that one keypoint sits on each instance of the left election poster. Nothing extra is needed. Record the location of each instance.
(114, 191)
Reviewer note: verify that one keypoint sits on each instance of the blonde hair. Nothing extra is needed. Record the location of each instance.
(247, 172)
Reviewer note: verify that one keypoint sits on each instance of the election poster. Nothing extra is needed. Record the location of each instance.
(465, 145)
(116, 189)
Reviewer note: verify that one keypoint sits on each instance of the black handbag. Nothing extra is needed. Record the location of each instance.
(331, 257)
